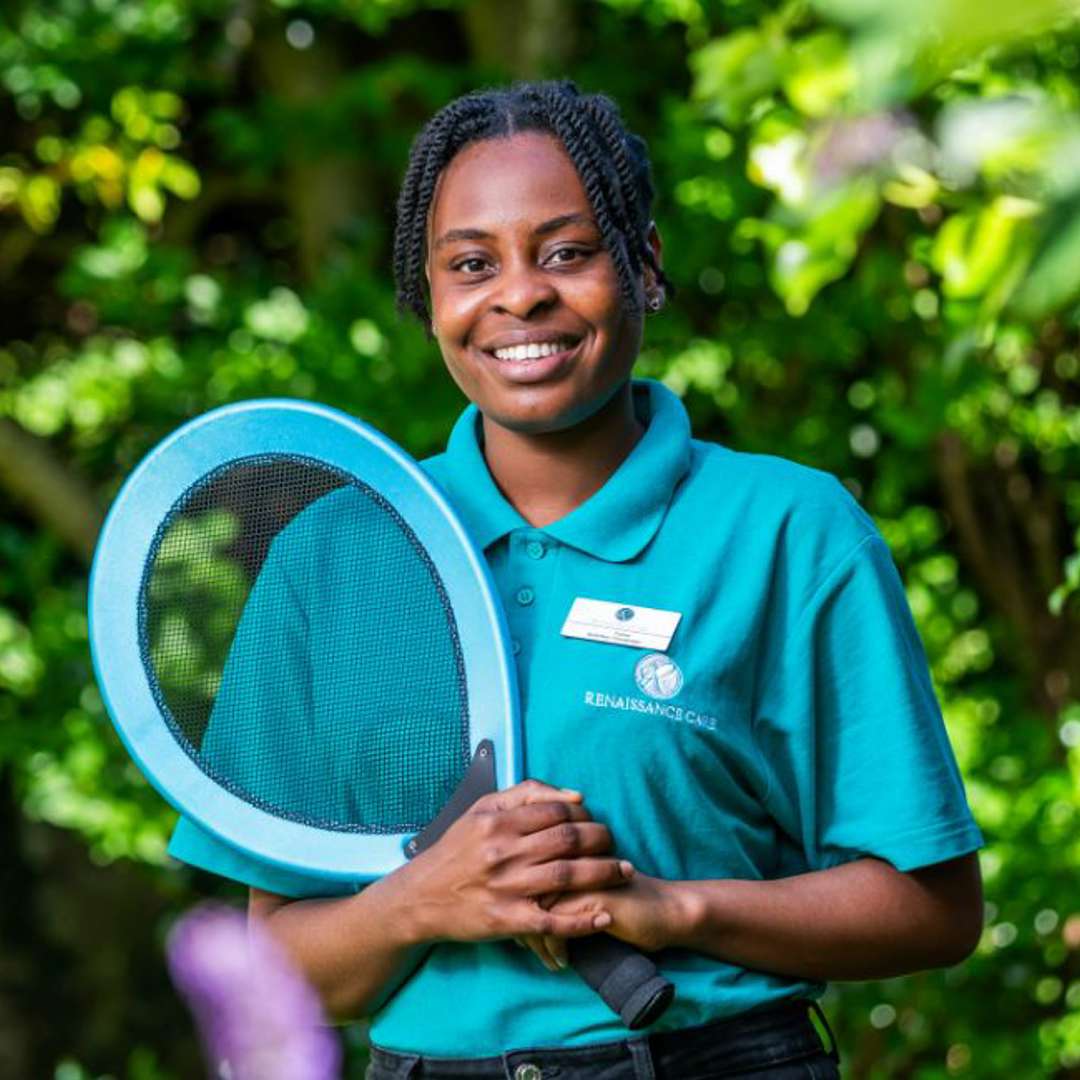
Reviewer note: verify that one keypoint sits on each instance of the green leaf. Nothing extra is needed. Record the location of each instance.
(1053, 280)
(820, 73)
(732, 73)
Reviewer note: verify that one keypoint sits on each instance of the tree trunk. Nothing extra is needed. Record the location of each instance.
(527, 40)
(324, 187)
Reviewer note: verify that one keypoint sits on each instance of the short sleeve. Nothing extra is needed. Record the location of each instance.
(853, 742)
(266, 676)
(197, 847)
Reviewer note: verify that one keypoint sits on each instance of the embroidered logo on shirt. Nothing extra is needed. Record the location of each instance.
(597, 699)
(658, 676)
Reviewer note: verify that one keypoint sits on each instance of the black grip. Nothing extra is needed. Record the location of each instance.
(626, 979)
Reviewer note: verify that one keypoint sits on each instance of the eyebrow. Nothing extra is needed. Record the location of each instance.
(550, 226)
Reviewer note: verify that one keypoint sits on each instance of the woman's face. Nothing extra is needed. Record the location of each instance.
(526, 304)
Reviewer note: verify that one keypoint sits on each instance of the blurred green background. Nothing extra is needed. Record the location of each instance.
(872, 213)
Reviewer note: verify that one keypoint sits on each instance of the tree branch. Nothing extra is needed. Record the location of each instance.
(996, 575)
(1004, 549)
(53, 493)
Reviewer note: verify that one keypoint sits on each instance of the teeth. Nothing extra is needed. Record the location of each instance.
(529, 352)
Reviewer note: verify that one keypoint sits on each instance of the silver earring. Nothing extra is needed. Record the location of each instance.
(655, 300)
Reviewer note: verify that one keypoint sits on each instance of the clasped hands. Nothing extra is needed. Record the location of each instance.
(641, 910)
(529, 863)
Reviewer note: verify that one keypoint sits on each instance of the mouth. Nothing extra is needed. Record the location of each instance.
(533, 350)
(533, 361)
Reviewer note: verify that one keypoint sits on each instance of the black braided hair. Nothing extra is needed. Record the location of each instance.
(612, 162)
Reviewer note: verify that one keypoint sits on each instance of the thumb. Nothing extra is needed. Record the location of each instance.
(528, 791)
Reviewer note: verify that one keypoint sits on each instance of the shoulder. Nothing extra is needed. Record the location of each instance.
(799, 520)
(770, 489)
(333, 522)
(325, 515)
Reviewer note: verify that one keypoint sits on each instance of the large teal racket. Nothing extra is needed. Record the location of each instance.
(304, 652)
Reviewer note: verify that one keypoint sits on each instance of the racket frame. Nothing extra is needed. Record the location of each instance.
(162, 478)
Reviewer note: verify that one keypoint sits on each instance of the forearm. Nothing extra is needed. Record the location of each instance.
(860, 920)
(354, 950)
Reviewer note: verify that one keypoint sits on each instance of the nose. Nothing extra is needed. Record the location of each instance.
(523, 290)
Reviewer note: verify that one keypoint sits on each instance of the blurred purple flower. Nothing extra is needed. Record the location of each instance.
(861, 143)
(257, 1016)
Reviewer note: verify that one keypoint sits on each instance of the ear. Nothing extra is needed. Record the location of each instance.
(652, 238)
(653, 290)
(654, 241)
(427, 277)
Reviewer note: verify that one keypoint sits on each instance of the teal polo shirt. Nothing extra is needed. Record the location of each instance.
(789, 726)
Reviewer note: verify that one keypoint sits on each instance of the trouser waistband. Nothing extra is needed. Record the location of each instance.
(767, 1036)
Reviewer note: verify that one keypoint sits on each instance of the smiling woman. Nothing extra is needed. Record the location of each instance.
(531, 319)
(739, 761)
(531, 323)
(538, 303)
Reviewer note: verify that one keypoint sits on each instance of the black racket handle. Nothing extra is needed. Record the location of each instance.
(626, 979)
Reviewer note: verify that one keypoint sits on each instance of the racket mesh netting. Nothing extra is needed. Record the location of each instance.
(302, 649)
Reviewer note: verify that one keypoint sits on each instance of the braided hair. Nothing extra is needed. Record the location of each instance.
(612, 162)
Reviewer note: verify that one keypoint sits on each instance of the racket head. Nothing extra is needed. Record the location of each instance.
(130, 543)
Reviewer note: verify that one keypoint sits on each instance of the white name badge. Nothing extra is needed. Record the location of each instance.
(621, 624)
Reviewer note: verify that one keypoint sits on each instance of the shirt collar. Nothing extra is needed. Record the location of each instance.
(615, 523)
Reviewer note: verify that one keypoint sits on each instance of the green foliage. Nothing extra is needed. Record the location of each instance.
(871, 211)
(993, 179)
(959, 215)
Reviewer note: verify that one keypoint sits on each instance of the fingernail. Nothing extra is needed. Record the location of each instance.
(561, 961)
(601, 920)
(569, 791)
(627, 868)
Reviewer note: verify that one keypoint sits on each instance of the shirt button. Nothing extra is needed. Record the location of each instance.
(528, 1071)
(516, 646)
(535, 550)
(525, 596)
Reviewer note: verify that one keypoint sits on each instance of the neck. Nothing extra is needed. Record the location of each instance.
(546, 476)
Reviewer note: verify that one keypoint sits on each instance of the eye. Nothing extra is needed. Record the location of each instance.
(562, 256)
(472, 264)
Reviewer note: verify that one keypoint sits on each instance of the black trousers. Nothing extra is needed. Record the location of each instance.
(777, 1042)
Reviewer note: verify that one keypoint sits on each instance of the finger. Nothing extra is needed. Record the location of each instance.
(567, 840)
(556, 949)
(548, 923)
(538, 944)
(535, 817)
(525, 793)
(548, 900)
(572, 875)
